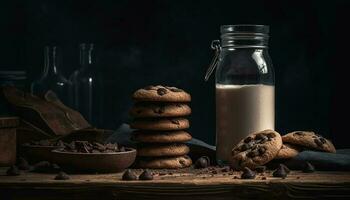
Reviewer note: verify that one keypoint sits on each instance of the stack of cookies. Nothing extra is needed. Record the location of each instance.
(159, 119)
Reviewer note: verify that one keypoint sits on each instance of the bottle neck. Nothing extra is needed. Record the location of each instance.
(87, 56)
(51, 61)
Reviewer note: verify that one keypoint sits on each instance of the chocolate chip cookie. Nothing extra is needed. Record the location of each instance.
(160, 124)
(156, 150)
(309, 140)
(161, 94)
(161, 137)
(288, 151)
(143, 109)
(166, 162)
(257, 149)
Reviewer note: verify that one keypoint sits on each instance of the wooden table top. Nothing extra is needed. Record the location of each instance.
(175, 185)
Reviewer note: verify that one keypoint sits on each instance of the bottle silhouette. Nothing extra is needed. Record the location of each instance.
(52, 78)
(87, 87)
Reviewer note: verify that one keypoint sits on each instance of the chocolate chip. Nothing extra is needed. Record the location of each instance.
(324, 141)
(261, 150)
(263, 139)
(235, 177)
(112, 146)
(129, 175)
(23, 164)
(280, 172)
(82, 146)
(13, 171)
(62, 176)
(259, 136)
(299, 133)
(230, 173)
(59, 143)
(99, 147)
(45, 143)
(225, 169)
(43, 166)
(270, 135)
(248, 139)
(263, 178)
(162, 91)
(248, 174)
(253, 153)
(70, 146)
(308, 168)
(318, 142)
(244, 147)
(285, 168)
(95, 147)
(182, 162)
(260, 169)
(55, 167)
(202, 162)
(146, 175)
(174, 121)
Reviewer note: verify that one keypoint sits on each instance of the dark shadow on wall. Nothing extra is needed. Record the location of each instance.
(167, 42)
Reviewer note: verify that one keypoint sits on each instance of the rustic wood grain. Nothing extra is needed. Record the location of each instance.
(318, 185)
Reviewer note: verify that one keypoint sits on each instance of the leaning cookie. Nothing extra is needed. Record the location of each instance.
(161, 94)
(309, 140)
(158, 150)
(160, 124)
(143, 109)
(165, 162)
(287, 151)
(257, 149)
(161, 137)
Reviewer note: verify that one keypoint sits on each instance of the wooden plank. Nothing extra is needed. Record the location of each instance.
(318, 185)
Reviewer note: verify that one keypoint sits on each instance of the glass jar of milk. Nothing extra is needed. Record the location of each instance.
(245, 91)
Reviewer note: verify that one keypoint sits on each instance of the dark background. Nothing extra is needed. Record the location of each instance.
(167, 42)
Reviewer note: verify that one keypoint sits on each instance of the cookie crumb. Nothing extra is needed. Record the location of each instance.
(62, 176)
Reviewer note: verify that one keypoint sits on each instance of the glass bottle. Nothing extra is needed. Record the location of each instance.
(52, 78)
(245, 91)
(87, 87)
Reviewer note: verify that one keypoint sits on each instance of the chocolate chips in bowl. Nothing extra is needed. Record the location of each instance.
(36, 151)
(84, 156)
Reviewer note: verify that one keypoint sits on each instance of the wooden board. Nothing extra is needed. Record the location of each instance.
(318, 185)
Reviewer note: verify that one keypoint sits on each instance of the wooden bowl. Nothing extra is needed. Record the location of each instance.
(37, 153)
(94, 162)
